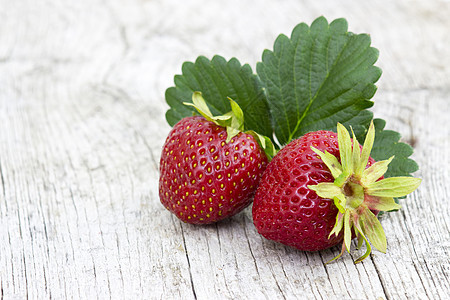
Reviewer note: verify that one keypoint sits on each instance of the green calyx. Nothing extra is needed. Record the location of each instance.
(233, 121)
(356, 191)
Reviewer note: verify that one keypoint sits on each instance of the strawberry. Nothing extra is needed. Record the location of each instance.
(209, 172)
(323, 189)
(285, 210)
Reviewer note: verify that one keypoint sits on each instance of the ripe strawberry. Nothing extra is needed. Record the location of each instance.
(207, 175)
(285, 210)
(320, 190)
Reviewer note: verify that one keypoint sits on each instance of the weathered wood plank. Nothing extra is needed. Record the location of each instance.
(82, 107)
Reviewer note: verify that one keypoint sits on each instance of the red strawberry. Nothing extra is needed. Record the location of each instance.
(204, 177)
(285, 210)
(319, 189)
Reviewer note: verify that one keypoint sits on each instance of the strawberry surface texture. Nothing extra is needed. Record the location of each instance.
(204, 178)
(285, 209)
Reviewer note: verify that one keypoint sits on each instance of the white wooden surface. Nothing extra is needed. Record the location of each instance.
(81, 107)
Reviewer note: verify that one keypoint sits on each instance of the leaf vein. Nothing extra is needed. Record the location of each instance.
(281, 89)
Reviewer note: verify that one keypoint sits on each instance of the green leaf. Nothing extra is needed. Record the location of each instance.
(321, 75)
(218, 80)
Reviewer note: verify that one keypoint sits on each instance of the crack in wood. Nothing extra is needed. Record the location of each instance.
(188, 262)
(2, 178)
(415, 261)
(380, 277)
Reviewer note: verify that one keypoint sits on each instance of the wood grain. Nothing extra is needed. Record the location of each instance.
(82, 107)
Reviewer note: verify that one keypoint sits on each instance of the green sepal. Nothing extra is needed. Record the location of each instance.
(356, 155)
(360, 240)
(342, 178)
(345, 149)
(355, 200)
(381, 203)
(330, 161)
(326, 190)
(231, 133)
(347, 230)
(341, 202)
(338, 225)
(200, 105)
(237, 120)
(339, 255)
(393, 186)
(365, 152)
(329, 190)
(265, 143)
(373, 230)
(359, 230)
(233, 121)
(375, 171)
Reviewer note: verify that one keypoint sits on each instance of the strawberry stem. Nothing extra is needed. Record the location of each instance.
(233, 121)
